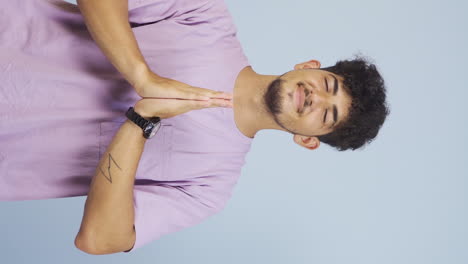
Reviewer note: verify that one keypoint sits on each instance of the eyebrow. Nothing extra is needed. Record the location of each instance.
(335, 85)
(335, 115)
(335, 110)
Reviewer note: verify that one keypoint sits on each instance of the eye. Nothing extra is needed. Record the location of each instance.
(325, 115)
(326, 84)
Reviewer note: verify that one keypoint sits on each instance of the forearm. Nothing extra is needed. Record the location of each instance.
(107, 224)
(107, 22)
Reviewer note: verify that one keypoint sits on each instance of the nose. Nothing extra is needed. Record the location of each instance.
(319, 98)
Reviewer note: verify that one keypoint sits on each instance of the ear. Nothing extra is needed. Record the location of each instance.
(312, 64)
(307, 142)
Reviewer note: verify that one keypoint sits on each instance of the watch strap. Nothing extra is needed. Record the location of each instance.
(136, 118)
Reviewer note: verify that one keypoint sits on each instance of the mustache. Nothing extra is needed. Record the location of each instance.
(307, 99)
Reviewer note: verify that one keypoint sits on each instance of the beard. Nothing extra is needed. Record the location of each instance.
(273, 99)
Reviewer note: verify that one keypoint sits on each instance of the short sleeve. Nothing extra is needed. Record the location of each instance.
(162, 209)
(151, 11)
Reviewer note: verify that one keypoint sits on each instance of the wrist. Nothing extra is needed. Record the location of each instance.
(139, 76)
(141, 111)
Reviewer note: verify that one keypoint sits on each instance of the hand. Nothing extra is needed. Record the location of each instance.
(155, 86)
(165, 108)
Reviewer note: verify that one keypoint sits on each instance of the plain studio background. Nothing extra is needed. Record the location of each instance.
(400, 200)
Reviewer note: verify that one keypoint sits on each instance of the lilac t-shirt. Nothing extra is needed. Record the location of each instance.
(62, 101)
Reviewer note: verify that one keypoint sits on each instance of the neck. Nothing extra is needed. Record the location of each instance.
(250, 112)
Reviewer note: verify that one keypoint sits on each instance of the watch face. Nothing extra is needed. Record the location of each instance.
(149, 128)
(154, 130)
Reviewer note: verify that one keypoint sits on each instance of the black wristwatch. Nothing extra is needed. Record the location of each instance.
(150, 127)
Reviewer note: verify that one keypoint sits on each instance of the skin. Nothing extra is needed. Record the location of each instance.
(267, 102)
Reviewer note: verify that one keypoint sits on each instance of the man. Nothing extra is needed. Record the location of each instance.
(67, 76)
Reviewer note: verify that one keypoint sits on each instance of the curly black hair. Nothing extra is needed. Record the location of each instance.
(368, 109)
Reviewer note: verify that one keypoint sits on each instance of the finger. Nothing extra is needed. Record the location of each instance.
(219, 103)
(221, 95)
(192, 105)
(185, 94)
(196, 96)
(214, 94)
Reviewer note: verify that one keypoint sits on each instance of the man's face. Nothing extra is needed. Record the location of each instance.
(322, 96)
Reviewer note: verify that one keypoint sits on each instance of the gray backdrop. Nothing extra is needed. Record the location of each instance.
(400, 200)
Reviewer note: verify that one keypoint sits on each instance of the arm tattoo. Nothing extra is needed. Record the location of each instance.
(109, 178)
